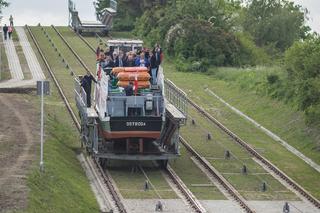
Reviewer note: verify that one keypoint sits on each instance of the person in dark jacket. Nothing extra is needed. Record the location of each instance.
(86, 82)
(120, 60)
(5, 31)
(130, 61)
(154, 65)
(107, 65)
(129, 89)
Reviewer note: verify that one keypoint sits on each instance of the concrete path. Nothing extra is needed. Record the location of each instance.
(269, 133)
(17, 78)
(13, 61)
(31, 58)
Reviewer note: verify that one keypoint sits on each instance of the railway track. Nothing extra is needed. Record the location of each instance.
(183, 188)
(238, 198)
(190, 198)
(220, 179)
(105, 176)
(194, 203)
(258, 157)
(280, 174)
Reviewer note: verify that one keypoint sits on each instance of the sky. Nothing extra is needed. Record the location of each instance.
(55, 12)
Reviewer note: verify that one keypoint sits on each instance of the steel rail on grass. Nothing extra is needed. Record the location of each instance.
(222, 181)
(71, 49)
(106, 177)
(251, 150)
(258, 156)
(193, 201)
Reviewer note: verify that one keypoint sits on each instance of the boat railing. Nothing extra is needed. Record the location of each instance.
(176, 97)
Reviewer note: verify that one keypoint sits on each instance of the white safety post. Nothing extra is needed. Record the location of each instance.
(41, 134)
(43, 88)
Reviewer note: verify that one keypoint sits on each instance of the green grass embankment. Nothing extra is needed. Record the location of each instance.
(63, 187)
(61, 72)
(250, 184)
(280, 118)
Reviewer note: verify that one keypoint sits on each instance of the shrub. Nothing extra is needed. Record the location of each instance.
(272, 78)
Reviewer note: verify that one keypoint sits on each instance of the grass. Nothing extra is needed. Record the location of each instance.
(61, 72)
(214, 151)
(63, 187)
(123, 34)
(4, 67)
(63, 179)
(131, 183)
(191, 175)
(271, 113)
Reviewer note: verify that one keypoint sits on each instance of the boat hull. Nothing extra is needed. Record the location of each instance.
(131, 127)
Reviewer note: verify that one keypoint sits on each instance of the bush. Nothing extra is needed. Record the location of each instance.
(303, 65)
(250, 54)
(272, 78)
(184, 65)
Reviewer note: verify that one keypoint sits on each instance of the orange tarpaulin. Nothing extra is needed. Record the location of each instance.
(141, 84)
(131, 76)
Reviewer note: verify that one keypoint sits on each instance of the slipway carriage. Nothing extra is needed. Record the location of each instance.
(142, 126)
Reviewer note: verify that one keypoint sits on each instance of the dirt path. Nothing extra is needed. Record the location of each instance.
(18, 138)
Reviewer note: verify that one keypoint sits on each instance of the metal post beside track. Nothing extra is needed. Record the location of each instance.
(42, 89)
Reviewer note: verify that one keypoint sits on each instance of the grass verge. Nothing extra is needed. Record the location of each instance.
(276, 113)
(63, 187)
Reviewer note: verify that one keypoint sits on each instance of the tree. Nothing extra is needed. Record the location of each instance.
(303, 66)
(3, 3)
(275, 22)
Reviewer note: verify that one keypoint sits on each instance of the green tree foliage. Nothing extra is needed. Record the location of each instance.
(3, 3)
(194, 31)
(128, 11)
(275, 22)
(303, 66)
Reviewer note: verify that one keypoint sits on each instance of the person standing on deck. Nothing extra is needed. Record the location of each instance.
(86, 82)
(11, 20)
(5, 31)
(154, 65)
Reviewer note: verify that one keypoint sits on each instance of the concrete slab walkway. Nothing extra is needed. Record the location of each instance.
(33, 63)
(13, 61)
(17, 78)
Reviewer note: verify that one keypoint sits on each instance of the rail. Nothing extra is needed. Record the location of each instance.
(71, 49)
(222, 181)
(258, 156)
(106, 177)
(195, 204)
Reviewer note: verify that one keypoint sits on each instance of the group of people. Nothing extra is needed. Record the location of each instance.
(144, 58)
(109, 59)
(7, 30)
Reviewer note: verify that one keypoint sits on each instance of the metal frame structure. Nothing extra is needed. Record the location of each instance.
(103, 25)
